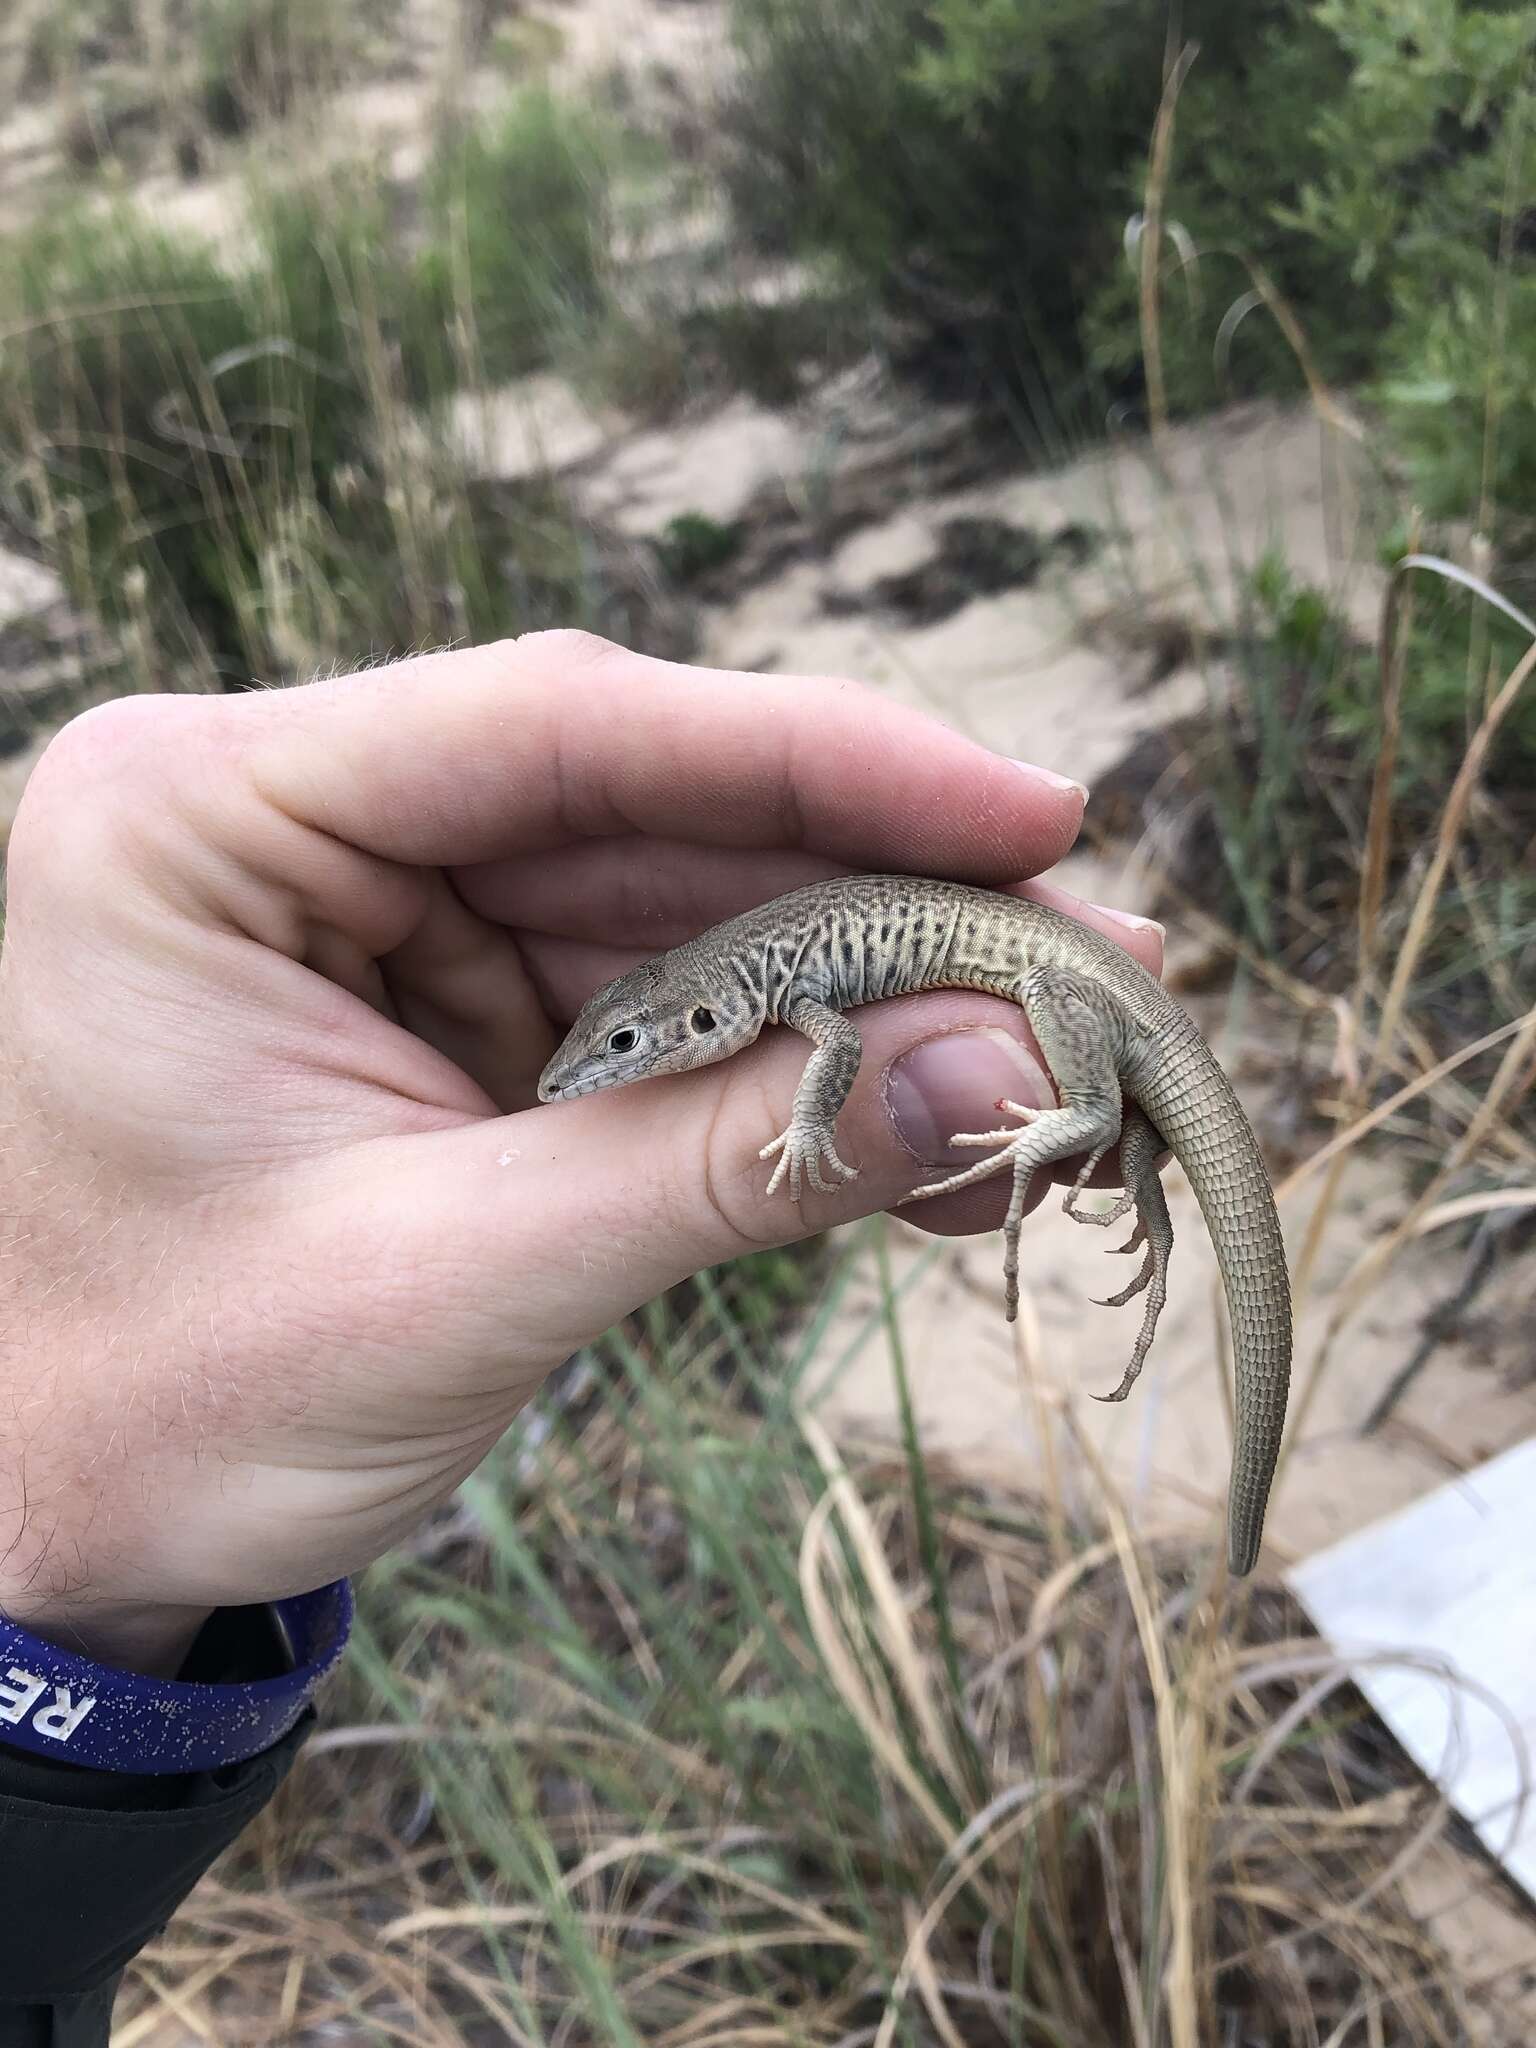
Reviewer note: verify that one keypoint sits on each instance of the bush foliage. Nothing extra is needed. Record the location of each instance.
(978, 163)
(517, 246)
(1425, 187)
(973, 161)
(239, 461)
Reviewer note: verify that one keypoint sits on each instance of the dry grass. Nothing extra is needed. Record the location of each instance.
(688, 1732)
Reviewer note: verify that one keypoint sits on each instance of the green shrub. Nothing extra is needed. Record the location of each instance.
(517, 235)
(69, 35)
(1246, 148)
(766, 348)
(1376, 161)
(975, 163)
(692, 544)
(223, 460)
(113, 120)
(115, 415)
(972, 161)
(1424, 186)
(1282, 784)
(172, 412)
(227, 64)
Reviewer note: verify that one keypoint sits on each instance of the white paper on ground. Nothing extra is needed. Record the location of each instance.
(1451, 1583)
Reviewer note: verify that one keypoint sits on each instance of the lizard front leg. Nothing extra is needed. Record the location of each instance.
(1082, 1032)
(810, 1142)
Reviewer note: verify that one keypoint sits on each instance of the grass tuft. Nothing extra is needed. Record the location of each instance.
(238, 465)
(682, 1729)
(517, 253)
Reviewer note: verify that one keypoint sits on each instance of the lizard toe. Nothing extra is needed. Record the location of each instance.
(1101, 1219)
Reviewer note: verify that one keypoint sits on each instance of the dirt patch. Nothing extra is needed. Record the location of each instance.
(976, 557)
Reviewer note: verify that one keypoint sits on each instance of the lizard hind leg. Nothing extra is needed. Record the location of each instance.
(1081, 1030)
(1140, 1144)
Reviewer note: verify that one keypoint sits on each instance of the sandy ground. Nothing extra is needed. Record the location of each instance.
(675, 51)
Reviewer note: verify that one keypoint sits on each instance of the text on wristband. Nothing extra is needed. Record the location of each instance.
(20, 1692)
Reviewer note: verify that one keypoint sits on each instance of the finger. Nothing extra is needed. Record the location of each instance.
(930, 1091)
(543, 1228)
(566, 971)
(530, 744)
(646, 894)
(465, 988)
(636, 891)
(1142, 937)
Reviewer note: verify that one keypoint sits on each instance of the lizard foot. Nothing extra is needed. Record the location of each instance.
(1139, 1147)
(1007, 1138)
(1153, 1278)
(1102, 1219)
(806, 1148)
(1048, 1135)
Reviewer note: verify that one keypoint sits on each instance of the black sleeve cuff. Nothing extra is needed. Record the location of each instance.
(94, 1863)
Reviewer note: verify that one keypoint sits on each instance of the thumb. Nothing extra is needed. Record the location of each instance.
(543, 1228)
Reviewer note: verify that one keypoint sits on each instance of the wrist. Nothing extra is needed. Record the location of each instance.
(60, 1704)
(147, 1637)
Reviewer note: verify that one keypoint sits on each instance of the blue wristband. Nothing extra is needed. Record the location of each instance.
(63, 1706)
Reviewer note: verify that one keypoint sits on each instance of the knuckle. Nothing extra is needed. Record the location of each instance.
(98, 745)
(92, 792)
(561, 648)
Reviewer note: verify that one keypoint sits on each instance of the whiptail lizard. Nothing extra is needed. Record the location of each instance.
(1107, 1028)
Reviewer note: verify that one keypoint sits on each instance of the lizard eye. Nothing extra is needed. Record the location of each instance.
(702, 1020)
(625, 1039)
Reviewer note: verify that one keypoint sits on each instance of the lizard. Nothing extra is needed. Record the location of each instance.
(1128, 1064)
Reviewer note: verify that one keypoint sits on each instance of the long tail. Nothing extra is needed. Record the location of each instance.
(1190, 1100)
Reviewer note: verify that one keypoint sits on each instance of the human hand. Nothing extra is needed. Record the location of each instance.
(291, 1242)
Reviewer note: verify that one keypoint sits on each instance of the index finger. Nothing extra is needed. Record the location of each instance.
(535, 743)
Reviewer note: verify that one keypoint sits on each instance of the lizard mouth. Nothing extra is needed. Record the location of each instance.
(589, 1079)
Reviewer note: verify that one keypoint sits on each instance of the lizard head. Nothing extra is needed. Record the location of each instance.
(653, 1020)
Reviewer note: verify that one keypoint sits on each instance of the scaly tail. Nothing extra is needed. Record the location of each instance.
(1190, 1100)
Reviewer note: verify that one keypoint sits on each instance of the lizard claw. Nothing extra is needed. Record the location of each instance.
(1143, 1346)
(806, 1151)
(981, 1140)
(1142, 1281)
